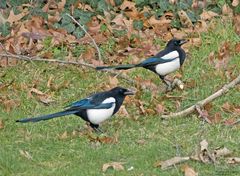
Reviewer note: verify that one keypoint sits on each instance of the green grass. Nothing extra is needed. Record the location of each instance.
(77, 155)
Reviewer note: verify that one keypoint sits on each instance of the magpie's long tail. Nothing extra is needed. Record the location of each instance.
(46, 117)
(118, 67)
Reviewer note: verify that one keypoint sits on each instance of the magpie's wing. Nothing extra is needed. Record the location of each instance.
(154, 61)
(88, 103)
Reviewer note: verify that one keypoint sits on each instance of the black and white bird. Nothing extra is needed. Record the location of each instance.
(166, 61)
(94, 109)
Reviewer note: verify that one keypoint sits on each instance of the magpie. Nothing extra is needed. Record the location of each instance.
(94, 109)
(166, 61)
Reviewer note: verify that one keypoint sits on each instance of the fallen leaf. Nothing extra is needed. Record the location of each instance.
(160, 108)
(237, 48)
(205, 156)
(173, 161)
(141, 108)
(113, 81)
(184, 19)
(25, 154)
(127, 5)
(40, 96)
(14, 18)
(232, 121)
(61, 5)
(208, 15)
(204, 145)
(233, 160)
(141, 141)
(115, 165)
(235, 3)
(236, 22)
(64, 135)
(1, 124)
(216, 118)
(227, 11)
(221, 152)
(188, 171)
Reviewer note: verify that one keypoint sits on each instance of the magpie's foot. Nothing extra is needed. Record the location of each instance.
(169, 86)
(98, 130)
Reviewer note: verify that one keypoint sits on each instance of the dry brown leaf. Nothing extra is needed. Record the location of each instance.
(141, 141)
(42, 97)
(115, 165)
(160, 108)
(237, 48)
(227, 107)
(221, 152)
(36, 91)
(25, 154)
(154, 22)
(188, 171)
(178, 33)
(141, 108)
(204, 145)
(10, 104)
(233, 160)
(168, 163)
(235, 3)
(236, 22)
(201, 26)
(227, 11)
(113, 81)
(119, 20)
(216, 118)
(14, 18)
(127, 5)
(230, 122)
(1, 124)
(184, 19)
(204, 155)
(61, 5)
(123, 111)
(64, 135)
(208, 15)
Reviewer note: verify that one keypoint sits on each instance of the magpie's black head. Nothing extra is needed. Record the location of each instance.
(120, 91)
(176, 42)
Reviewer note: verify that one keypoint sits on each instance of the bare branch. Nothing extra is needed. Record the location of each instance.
(27, 58)
(201, 103)
(83, 28)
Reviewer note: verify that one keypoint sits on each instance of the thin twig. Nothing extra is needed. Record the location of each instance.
(83, 28)
(27, 58)
(205, 101)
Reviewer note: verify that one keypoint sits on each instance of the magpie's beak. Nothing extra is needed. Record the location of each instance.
(183, 41)
(129, 92)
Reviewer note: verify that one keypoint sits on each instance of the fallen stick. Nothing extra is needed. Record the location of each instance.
(83, 28)
(27, 58)
(201, 103)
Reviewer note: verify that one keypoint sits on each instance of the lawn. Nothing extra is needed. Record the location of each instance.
(55, 147)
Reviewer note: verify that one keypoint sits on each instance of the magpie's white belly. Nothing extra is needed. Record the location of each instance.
(97, 116)
(166, 68)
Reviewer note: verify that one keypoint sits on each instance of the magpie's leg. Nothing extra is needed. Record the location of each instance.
(167, 83)
(96, 128)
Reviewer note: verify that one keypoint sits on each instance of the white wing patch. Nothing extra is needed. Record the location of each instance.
(166, 68)
(97, 116)
(171, 55)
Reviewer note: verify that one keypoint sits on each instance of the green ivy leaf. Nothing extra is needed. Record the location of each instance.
(84, 16)
(138, 24)
(79, 33)
(5, 29)
(70, 27)
(102, 6)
